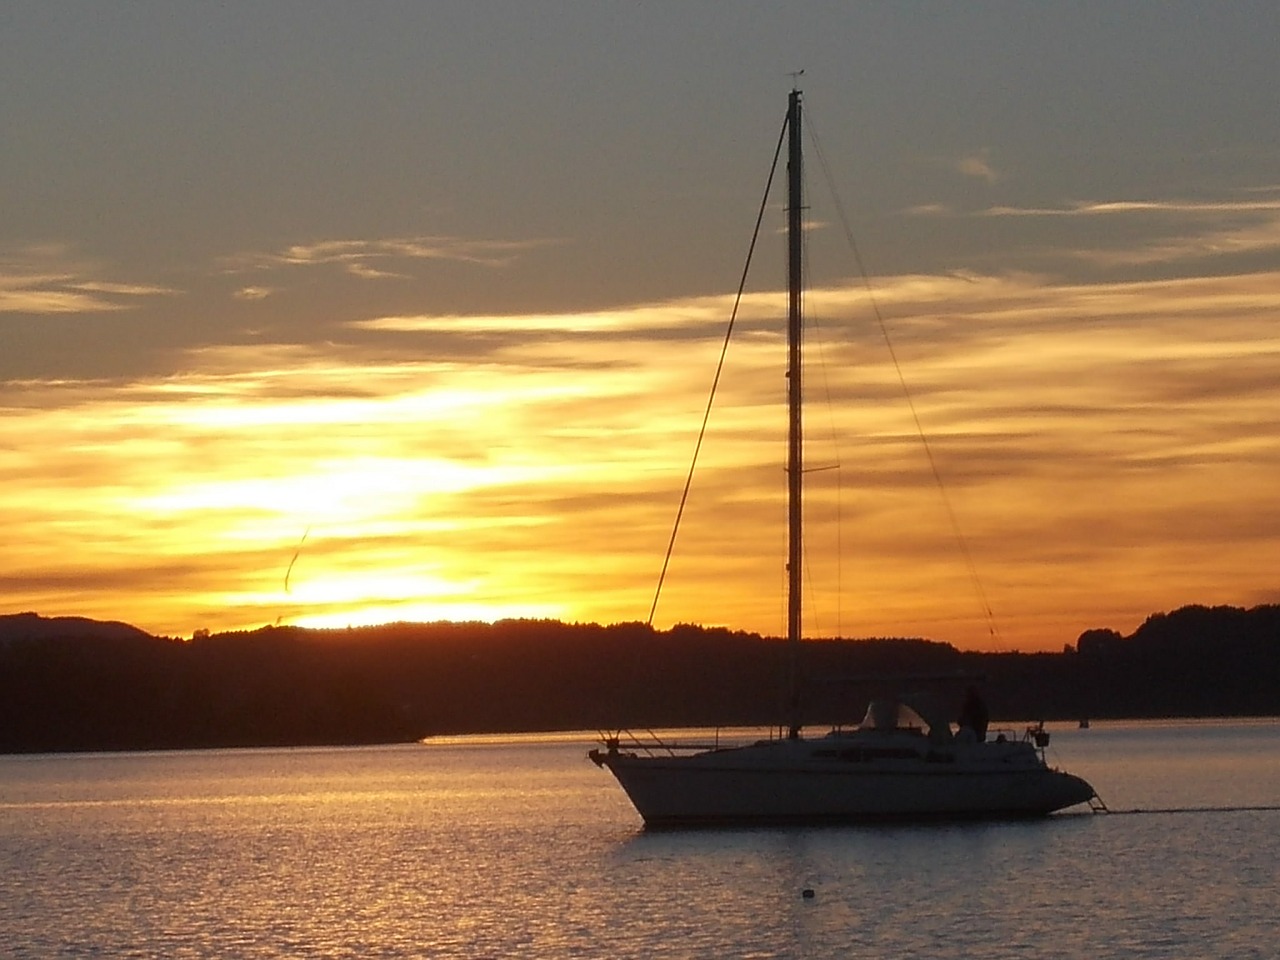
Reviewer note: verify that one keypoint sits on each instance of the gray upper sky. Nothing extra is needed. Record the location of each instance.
(197, 167)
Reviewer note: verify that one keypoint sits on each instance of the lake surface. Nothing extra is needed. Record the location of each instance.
(522, 848)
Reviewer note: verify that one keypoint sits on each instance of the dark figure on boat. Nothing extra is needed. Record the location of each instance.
(973, 715)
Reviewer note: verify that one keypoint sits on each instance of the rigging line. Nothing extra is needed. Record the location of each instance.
(906, 391)
(296, 553)
(814, 323)
(289, 569)
(815, 628)
(715, 382)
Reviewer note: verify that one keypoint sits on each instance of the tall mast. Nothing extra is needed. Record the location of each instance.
(795, 438)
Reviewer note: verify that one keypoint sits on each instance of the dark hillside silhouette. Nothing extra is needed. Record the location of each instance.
(72, 684)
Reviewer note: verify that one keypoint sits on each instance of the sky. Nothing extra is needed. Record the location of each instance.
(330, 314)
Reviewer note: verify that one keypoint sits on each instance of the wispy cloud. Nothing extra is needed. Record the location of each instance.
(371, 259)
(688, 315)
(930, 210)
(1156, 231)
(1193, 229)
(1107, 208)
(978, 164)
(253, 293)
(47, 280)
(35, 293)
(1259, 237)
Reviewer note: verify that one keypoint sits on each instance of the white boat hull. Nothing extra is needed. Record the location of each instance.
(808, 781)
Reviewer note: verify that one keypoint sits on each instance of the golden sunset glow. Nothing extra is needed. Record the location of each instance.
(1073, 426)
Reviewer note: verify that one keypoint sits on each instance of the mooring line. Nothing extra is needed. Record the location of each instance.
(1241, 809)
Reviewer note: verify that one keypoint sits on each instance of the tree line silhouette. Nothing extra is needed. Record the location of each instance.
(75, 684)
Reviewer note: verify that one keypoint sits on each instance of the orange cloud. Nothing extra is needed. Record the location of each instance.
(1109, 449)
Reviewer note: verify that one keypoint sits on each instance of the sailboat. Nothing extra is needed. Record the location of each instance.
(902, 761)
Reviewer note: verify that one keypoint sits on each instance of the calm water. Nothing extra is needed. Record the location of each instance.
(524, 849)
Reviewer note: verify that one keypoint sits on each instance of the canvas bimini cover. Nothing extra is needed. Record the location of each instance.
(888, 714)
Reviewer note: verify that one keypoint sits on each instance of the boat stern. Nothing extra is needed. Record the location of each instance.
(1072, 790)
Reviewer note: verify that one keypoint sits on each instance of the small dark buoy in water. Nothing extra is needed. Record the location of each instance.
(808, 893)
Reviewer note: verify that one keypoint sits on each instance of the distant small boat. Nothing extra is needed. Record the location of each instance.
(902, 761)
(1084, 723)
